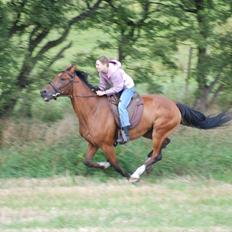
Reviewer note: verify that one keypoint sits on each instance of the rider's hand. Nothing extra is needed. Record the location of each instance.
(100, 93)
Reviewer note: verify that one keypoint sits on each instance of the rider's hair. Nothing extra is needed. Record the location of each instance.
(104, 60)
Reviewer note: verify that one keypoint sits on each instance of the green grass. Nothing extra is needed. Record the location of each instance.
(179, 204)
(59, 150)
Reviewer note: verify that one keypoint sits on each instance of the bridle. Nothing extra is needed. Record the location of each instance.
(59, 91)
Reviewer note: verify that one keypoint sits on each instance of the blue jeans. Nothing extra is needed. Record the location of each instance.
(125, 99)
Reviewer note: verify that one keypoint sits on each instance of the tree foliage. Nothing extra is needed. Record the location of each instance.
(144, 34)
(32, 29)
(207, 16)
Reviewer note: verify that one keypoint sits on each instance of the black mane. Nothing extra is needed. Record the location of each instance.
(84, 77)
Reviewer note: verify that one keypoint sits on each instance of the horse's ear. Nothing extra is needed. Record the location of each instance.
(71, 68)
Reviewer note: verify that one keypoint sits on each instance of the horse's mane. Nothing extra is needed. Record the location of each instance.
(84, 77)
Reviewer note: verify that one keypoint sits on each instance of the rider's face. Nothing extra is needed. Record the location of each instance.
(101, 67)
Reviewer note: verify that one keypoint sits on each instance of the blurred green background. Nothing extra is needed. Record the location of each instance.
(182, 49)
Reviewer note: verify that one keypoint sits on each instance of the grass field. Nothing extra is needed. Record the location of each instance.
(66, 204)
(35, 149)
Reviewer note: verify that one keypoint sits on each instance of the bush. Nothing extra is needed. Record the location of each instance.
(50, 111)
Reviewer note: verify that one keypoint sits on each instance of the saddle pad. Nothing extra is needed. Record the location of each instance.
(135, 109)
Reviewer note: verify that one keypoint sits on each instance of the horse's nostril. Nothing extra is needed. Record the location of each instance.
(43, 92)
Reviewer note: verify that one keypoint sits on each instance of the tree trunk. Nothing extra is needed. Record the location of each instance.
(1, 131)
(121, 46)
(201, 102)
(188, 72)
(201, 72)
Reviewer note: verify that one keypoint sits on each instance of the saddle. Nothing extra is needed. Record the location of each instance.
(135, 110)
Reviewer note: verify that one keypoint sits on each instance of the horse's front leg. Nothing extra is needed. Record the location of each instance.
(111, 157)
(91, 151)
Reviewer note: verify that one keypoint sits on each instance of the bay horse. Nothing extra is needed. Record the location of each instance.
(161, 116)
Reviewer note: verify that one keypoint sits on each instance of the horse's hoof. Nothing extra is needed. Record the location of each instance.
(133, 179)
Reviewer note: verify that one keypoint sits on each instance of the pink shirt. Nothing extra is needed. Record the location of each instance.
(115, 79)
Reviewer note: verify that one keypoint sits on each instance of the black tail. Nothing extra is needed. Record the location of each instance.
(197, 119)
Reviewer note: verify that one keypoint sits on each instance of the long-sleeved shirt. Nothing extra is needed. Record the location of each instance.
(116, 79)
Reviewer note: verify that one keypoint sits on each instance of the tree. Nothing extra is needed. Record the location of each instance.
(31, 30)
(207, 16)
(198, 22)
(138, 37)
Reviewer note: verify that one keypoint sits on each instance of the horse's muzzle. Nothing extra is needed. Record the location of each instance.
(48, 96)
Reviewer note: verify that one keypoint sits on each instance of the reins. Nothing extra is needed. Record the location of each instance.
(84, 96)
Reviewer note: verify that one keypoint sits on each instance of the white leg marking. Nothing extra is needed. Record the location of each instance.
(105, 165)
(139, 171)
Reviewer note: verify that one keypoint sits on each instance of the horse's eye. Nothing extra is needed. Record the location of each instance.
(62, 78)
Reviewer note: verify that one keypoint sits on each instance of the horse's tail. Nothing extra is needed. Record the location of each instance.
(197, 119)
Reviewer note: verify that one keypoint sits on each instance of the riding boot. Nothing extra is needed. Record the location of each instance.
(124, 135)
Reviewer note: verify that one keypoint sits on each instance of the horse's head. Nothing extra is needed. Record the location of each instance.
(61, 85)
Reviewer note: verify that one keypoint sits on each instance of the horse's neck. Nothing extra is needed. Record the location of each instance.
(83, 104)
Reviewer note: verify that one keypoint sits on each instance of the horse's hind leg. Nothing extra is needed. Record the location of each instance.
(158, 136)
(159, 143)
(164, 145)
(159, 157)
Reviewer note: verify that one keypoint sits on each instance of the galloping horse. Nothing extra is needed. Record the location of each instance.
(160, 118)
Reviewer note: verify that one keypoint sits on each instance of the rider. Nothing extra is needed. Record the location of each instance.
(111, 74)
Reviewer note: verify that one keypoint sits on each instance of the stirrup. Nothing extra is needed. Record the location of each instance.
(121, 141)
(123, 138)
